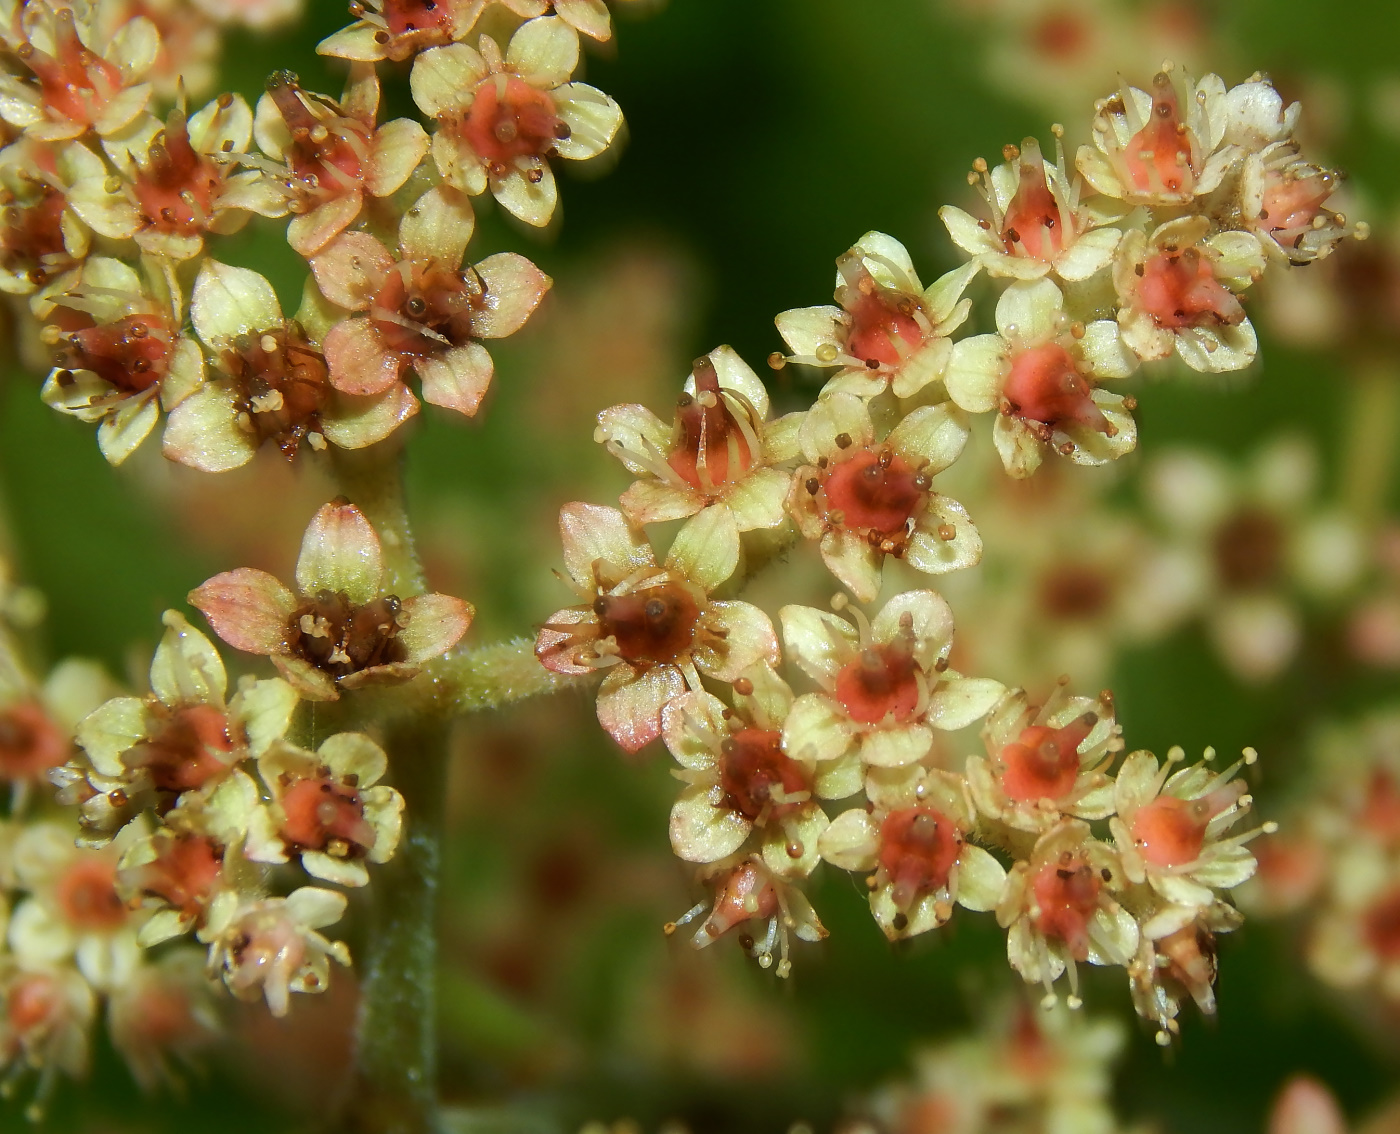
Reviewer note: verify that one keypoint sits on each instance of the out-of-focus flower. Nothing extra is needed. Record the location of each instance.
(332, 154)
(888, 331)
(1306, 1106)
(260, 15)
(188, 58)
(1037, 372)
(1038, 223)
(328, 808)
(1177, 290)
(1047, 761)
(719, 452)
(1258, 540)
(79, 79)
(864, 499)
(163, 1018)
(915, 842)
(37, 720)
(340, 630)
(423, 310)
(500, 118)
(48, 1011)
(654, 627)
(270, 947)
(272, 383)
(885, 684)
(121, 352)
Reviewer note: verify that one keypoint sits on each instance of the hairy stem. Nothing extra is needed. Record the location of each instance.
(488, 677)
(394, 1084)
(393, 1087)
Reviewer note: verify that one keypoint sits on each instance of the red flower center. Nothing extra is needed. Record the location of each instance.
(86, 893)
(32, 239)
(185, 873)
(1179, 289)
(76, 83)
(1249, 549)
(1045, 386)
(1381, 925)
(746, 894)
(1033, 225)
(883, 327)
(1291, 203)
(1159, 157)
(1074, 591)
(654, 625)
(751, 765)
(882, 680)
(1380, 814)
(177, 186)
(1043, 762)
(323, 815)
(426, 310)
(1067, 893)
(510, 119)
(879, 493)
(405, 17)
(130, 354)
(282, 382)
(1061, 35)
(341, 637)
(1171, 831)
(190, 749)
(32, 1003)
(711, 447)
(327, 156)
(918, 847)
(30, 743)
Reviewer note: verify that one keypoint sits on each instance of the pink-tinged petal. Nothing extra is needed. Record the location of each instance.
(588, 16)
(390, 674)
(514, 288)
(654, 502)
(340, 552)
(438, 227)
(854, 562)
(311, 683)
(630, 703)
(436, 623)
(568, 634)
(203, 432)
(457, 379)
(310, 232)
(352, 421)
(701, 829)
(357, 359)
(739, 635)
(395, 151)
(592, 534)
(630, 433)
(351, 268)
(248, 609)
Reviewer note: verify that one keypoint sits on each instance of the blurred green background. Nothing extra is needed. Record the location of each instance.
(765, 136)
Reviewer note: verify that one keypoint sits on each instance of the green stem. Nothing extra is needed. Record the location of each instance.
(372, 480)
(394, 1076)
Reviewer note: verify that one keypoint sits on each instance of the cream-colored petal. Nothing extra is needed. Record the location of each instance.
(976, 371)
(854, 562)
(229, 301)
(819, 642)
(931, 437)
(591, 533)
(186, 669)
(981, 879)
(811, 331)
(945, 538)
(110, 730)
(757, 501)
(593, 119)
(458, 378)
(544, 52)
(739, 636)
(706, 549)
(396, 149)
(817, 731)
(1029, 311)
(340, 552)
(121, 433)
(531, 201)
(514, 288)
(702, 830)
(959, 701)
(444, 79)
(896, 747)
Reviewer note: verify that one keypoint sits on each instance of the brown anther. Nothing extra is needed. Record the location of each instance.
(940, 665)
(776, 361)
(813, 485)
(743, 686)
(843, 440)
(946, 532)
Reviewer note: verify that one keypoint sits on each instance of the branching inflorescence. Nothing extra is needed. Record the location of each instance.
(190, 800)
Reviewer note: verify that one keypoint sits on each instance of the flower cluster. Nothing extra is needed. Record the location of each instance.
(1022, 1071)
(1336, 863)
(1079, 860)
(100, 165)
